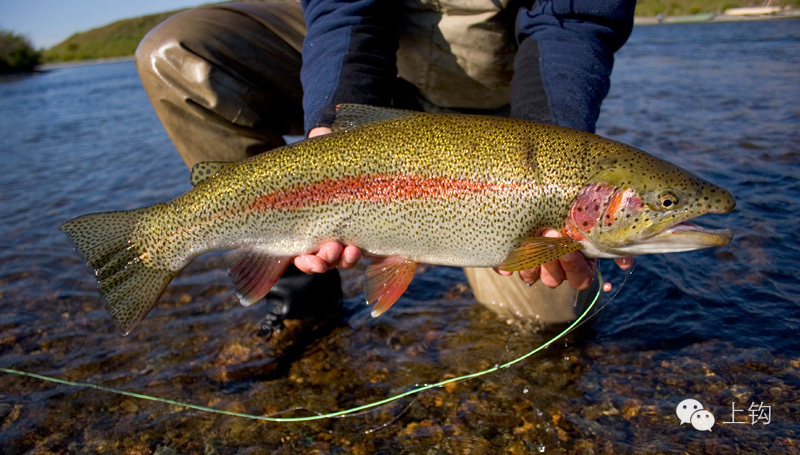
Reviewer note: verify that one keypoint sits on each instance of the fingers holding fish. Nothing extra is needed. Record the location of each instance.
(552, 274)
(573, 267)
(624, 263)
(530, 276)
(350, 257)
(310, 263)
(579, 270)
(319, 131)
(330, 255)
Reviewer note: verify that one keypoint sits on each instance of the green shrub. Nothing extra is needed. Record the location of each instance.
(17, 53)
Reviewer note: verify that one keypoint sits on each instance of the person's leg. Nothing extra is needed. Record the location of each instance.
(225, 82)
(225, 79)
(512, 300)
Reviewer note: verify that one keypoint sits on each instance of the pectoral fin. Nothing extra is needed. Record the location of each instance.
(254, 273)
(535, 251)
(387, 279)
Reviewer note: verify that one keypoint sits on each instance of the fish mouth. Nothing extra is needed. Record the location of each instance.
(685, 236)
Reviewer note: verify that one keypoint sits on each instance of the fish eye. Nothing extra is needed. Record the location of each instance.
(668, 200)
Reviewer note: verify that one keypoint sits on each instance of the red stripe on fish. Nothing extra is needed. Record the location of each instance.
(375, 188)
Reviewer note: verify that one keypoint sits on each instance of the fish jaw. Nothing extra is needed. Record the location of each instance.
(679, 238)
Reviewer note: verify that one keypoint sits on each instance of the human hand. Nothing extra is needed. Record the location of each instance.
(575, 268)
(330, 255)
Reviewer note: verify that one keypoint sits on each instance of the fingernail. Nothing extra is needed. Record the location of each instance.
(330, 257)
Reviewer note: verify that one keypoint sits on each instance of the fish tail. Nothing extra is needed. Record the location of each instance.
(129, 286)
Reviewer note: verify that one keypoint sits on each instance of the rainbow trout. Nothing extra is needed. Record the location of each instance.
(405, 187)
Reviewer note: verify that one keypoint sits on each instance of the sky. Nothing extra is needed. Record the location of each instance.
(48, 22)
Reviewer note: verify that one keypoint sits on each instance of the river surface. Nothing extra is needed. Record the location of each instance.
(717, 326)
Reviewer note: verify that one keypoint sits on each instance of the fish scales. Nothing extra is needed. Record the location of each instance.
(229, 210)
(444, 189)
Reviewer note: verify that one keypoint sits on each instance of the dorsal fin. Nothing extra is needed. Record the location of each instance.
(206, 169)
(349, 116)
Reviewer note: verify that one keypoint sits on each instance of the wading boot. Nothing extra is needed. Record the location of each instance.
(301, 309)
(300, 296)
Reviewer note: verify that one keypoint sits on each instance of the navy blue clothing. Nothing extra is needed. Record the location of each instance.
(348, 56)
(561, 69)
(565, 57)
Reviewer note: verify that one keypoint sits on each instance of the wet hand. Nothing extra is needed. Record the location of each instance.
(330, 255)
(575, 268)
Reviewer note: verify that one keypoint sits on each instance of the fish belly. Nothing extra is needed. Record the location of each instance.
(472, 231)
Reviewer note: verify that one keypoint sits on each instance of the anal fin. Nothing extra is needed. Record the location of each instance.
(387, 279)
(535, 251)
(254, 273)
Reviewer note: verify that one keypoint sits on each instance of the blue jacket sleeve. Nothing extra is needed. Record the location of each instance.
(348, 56)
(566, 51)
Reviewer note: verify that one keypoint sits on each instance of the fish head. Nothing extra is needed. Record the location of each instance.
(639, 204)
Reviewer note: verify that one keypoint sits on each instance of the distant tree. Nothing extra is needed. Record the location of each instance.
(17, 53)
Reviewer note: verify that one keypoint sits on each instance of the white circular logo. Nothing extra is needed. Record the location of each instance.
(686, 408)
(703, 420)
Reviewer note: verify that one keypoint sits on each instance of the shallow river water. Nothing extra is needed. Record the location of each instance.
(717, 326)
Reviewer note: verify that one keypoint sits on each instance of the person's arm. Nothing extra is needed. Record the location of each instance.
(563, 65)
(348, 57)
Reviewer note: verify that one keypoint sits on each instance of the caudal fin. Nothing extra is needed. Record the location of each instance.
(129, 286)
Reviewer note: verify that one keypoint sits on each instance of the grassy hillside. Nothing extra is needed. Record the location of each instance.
(682, 7)
(120, 38)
